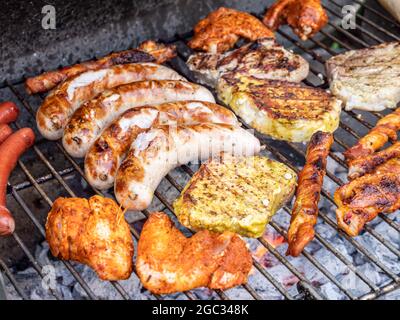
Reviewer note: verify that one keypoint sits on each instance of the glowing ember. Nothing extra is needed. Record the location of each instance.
(273, 238)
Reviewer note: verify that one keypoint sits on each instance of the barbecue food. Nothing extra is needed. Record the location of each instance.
(306, 17)
(264, 58)
(169, 262)
(360, 200)
(148, 51)
(235, 194)
(283, 110)
(8, 112)
(5, 132)
(392, 6)
(222, 28)
(311, 178)
(10, 150)
(93, 232)
(92, 117)
(367, 79)
(59, 105)
(156, 152)
(360, 166)
(106, 154)
(385, 129)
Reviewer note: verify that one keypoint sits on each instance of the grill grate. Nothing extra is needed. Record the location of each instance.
(317, 50)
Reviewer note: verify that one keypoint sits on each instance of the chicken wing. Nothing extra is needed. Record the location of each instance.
(305, 210)
(222, 28)
(306, 17)
(93, 232)
(169, 262)
(385, 129)
(360, 166)
(360, 200)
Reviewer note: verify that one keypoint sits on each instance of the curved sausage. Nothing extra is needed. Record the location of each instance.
(90, 119)
(5, 132)
(8, 112)
(59, 105)
(158, 151)
(107, 152)
(148, 51)
(10, 151)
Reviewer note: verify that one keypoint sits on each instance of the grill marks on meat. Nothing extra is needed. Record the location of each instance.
(221, 29)
(306, 17)
(264, 59)
(169, 262)
(385, 130)
(305, 210)
(148, 51)
(360, 200)
(367, 79)
(359, 167)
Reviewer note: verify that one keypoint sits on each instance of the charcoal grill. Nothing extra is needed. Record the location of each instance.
(57, 168)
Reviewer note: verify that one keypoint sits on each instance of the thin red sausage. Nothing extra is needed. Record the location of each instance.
(5, 132)
(8, 112)
(10, 151)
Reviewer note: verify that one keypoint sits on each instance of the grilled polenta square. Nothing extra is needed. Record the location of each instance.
(283, 110)
(235, 194)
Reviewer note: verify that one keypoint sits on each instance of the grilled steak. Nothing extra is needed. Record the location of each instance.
(264, 59)
(367, 79)
(245, 194)
(283, 110)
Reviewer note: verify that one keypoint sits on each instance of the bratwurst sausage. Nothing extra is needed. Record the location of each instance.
(156, 152)
(90, 119)
(106, 154)
(10, 151)
(59, 105)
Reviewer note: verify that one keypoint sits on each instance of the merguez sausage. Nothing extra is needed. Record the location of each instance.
(10, 151)
(8, 112)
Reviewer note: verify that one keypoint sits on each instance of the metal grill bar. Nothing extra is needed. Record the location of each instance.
(304, 282)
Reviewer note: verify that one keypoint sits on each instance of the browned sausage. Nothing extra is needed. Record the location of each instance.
(8, 112)
(5, 132)
(10, 151)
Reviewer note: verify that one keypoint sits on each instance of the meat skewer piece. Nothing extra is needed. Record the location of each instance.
(60, 104)
(8, 112)
(10, 150)
(109, 150)
(362, 199)
(148, 51)
(92, 117)
(306, 17)
(169, 262)
(385, 130)
(360, 166)
(305, 210)
(5, 132)
(156, 152)
(222, 28)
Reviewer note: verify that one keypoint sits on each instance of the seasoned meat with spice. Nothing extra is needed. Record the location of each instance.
(222, 28)
(311, 178)
(306, 17)
(169, 262)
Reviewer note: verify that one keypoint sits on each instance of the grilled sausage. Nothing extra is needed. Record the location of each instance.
(305, 210)
(360, 166)
(385, 129)
(89, 120)
(106, 154)
(149, 51)
(8, 112)
(10, 151)
(5, 132)
(59, 105)
(161, 149)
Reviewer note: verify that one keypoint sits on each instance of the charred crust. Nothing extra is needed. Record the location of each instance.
(132, 56)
